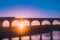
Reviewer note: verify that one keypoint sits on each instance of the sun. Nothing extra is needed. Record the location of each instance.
(22, 25)
(22, 28)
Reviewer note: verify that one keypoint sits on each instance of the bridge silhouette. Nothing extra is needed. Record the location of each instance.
(7, 32)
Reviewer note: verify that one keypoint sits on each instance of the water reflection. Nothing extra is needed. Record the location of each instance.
(6, 39)
(45, 36)
(16, 38)
(25, 38)
(35, 37)
(56, 35)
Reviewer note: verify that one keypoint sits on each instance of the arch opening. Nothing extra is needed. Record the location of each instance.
(24, 26)
(15, 23)
(55, 22)
(45, 22)
(35, 23)
(5, 23)
(24, 23)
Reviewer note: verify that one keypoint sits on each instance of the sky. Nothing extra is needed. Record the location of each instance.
(30, 8)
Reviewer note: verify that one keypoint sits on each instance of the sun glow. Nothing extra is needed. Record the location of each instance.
(22, 28)
(23, 24)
